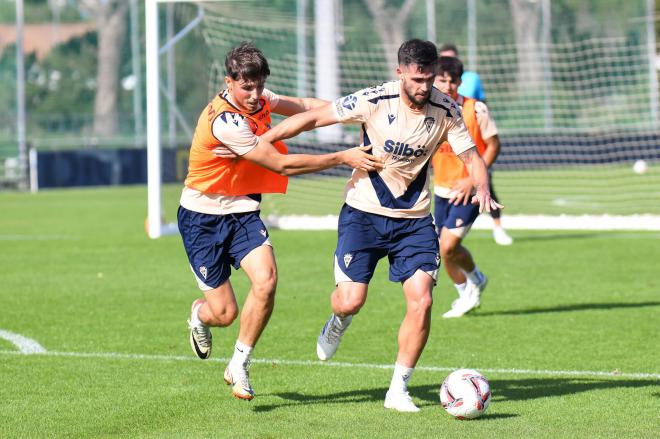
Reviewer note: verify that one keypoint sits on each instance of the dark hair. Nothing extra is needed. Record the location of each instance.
(422, 53)
(451, 66)
(449, 46)
(246, 62)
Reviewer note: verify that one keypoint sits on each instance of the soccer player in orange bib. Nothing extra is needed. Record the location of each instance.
(218, 216)
(387, 212)
(451, 181)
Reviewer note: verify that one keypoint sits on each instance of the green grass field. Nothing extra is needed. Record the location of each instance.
(597, 190)
(568, 335)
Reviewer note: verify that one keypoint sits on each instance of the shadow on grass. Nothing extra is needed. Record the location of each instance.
(533, 388)
(565, 308)
(503, 390)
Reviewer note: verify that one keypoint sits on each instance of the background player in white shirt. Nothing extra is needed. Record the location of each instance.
(387, 212)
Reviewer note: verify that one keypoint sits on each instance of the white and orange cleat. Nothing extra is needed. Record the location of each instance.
(239, 380)
(200, 334)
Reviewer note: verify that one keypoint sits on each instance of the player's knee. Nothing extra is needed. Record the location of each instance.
(224, 314)
(421, 305)
(448, 251)
(264, 284)
(349, 304)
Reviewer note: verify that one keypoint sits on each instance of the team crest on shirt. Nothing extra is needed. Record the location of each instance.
(459, 222)
(349, 102)
(428, 123)
(390, 118)
(347, 259)
(203, 271)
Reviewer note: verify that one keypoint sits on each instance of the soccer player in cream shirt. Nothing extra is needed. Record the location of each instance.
(387, 212)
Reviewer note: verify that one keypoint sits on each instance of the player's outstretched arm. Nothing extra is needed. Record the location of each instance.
(289, 105)
(479, 173)
(308, 120)
(266, 155)
(321, 114)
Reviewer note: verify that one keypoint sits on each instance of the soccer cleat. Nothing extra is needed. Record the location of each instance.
(330, 336)
(200, 334)
(460, 307)
(401, 402)
(239, 380)
(474, 291)
(501, 237)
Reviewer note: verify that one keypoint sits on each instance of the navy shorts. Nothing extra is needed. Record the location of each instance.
(459, 218)
(410, 244)
(214, 242)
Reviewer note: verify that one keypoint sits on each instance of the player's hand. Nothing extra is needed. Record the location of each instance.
(224, 153)
(485, 202)
(461, 191)
(357, 158)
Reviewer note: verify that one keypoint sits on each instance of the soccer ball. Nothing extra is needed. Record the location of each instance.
(465, 394)
(640, 167)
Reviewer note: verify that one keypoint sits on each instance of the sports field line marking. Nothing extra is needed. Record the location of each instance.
(25, 345)
(120, 356)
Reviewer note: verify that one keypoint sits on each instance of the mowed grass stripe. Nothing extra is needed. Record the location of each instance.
(513, 371)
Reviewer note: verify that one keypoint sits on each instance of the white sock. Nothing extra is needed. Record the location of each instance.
(460, 288)
(194, 317)
(475, 276)
(400, 378)
(242, 354)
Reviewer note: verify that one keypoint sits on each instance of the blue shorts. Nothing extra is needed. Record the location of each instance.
(214, 242)
(410, 244)
(458, 219)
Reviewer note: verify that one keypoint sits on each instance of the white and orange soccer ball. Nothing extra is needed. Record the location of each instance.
(465, 394)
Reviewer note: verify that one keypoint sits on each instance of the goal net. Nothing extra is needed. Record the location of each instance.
(578, 119)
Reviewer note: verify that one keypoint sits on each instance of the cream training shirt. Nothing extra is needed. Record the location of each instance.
(406, 139)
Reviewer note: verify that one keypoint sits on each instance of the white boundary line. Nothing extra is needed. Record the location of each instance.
(25, 345)
(544, 372)
(484, 222)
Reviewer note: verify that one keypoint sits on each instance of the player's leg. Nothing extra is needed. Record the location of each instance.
(414, 262)
(499, 234)
(204, 239)
(356, 257)
(346, 301)
(251, 249)
(461, 268)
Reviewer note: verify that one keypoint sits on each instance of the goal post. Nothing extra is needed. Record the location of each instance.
(155, 226)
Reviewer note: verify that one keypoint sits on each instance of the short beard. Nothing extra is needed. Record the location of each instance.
(416, 101)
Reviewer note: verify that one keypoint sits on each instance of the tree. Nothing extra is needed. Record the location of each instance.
(526, 16)
(111, 21)
(391, 25)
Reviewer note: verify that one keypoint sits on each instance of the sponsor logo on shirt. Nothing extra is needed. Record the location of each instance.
(404, 149)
